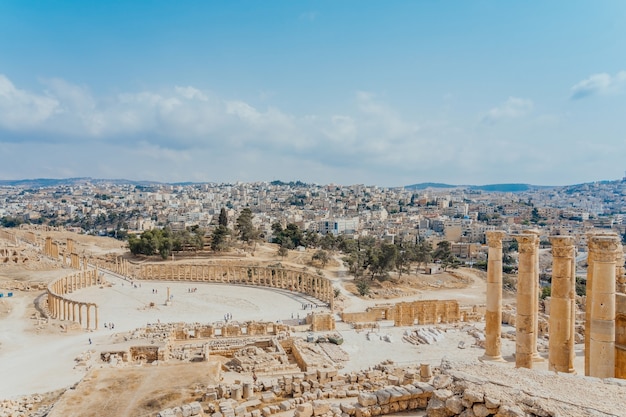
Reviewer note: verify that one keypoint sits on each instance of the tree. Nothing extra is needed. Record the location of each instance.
(311, 239)
(223, 218)
(283, 251)
(443, 254)
(219, 238)
(423, 253)
(245, 228)
(321, 256)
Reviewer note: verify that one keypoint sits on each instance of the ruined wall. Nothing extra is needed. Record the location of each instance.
(372, 314)
(321, 322)
(427, 312)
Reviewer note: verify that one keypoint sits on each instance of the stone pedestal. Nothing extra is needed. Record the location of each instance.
(562, 304)
(493, 315)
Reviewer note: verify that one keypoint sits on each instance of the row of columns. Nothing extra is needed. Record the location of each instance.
(63, 308)
(605, 259)
(301, 281)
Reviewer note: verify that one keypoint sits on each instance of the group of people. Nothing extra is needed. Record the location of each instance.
(192, 289)
(228, 317)
(109, 326)
(308, 306)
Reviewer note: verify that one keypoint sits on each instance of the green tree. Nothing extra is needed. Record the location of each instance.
(245, 229)
(283, 251)
(423, 253)
(443, 254)
(322, 257)
(223, 218)
(219, 238)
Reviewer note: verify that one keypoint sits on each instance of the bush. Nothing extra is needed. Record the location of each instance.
(363, 287)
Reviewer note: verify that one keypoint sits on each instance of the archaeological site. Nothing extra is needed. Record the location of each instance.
(90, 330)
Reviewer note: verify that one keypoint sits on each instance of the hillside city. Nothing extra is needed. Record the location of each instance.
(459, 215)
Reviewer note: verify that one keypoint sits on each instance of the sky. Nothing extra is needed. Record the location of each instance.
(386, 93)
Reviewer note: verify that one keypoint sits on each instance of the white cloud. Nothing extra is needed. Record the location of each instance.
(20, 109)
(512, 108)
(601, 83)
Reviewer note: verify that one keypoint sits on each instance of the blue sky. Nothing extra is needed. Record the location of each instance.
(350, 92)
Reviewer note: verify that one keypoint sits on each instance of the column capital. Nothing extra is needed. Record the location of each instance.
(562, 246)
(494, 238)
(528, 242)
(604, 247)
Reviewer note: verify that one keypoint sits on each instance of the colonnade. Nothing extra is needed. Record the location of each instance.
(63, 308)
(288, 279)
(605, 268)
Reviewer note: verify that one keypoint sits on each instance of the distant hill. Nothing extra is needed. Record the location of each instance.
(503, 188)
(55, 182)
(424, 185)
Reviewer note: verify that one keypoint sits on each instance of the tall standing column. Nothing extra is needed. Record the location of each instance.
(493, 316)
(602, 326)
(526, 291)
(561, 344)
(535, 297)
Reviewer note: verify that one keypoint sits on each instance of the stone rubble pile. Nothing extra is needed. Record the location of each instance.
(386, 389)
(424, 336)
(25, 406)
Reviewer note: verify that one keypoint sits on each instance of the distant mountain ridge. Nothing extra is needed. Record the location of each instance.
(504, 188)
(55, 182)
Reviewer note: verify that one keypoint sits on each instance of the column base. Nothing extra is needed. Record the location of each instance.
(489, 358)
(537, 358)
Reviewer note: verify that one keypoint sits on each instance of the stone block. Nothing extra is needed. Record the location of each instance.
(393, 380)
(186, 410)
(285, 405)
(403, 405)
(320, 407)
(480, 410)
(367, 398)
(510, 411)
(442, 381)
(196, 408)
(383, 396)
(437, 408)
(266, 412)
(240, 410)
(425, 387)
(363, 412)
(472, 396)
(454, 405)
(442, 394)
(268, 397)
(304, 410)
(348, 409)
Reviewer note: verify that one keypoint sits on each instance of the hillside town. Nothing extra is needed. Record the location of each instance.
(459, 215)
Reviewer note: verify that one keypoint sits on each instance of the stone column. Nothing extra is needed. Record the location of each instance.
(602, 326)
(536, 292)
(561, 344)
(493, 316)
(526, 291)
